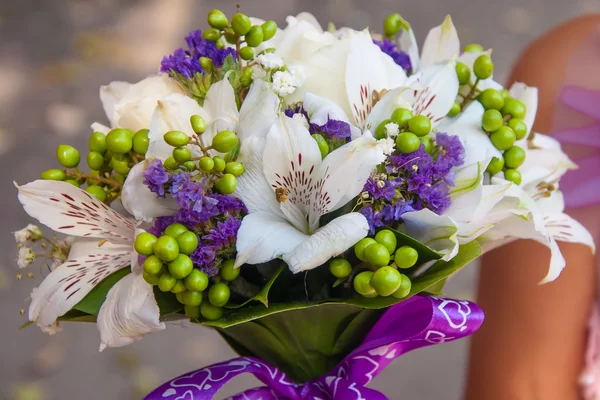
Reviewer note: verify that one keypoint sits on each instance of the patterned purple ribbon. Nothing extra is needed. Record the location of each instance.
(417, 322)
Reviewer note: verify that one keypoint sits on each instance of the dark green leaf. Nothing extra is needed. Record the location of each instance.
(92, 302)
(338, 282)
(425, 253)
(167, 302)
(263, 295)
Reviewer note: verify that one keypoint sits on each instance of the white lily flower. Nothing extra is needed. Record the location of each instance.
(105, 246)
(288, 187)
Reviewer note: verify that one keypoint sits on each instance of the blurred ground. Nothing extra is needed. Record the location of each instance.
(54, 55)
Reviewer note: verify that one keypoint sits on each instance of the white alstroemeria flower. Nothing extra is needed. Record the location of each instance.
(287, 187)
(130, 105)
(173, 113)
(105, 245)
(320, 110)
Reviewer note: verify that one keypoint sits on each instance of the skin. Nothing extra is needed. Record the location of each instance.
(532, 343)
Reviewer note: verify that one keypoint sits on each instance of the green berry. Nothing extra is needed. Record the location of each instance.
(166, 248)
(491, 99)
(388, 239)
(503, 138)
(95, 160)
(377, 255)
(196, 281)
(153, 265)
(179, 297)
(219, 294)
(463, 73)
(193, 312)
(401, 116)
(246, 78)
(269, 29)
(359, 248)
(230, 36)
(241, 24)
(519, 126)
(144, 242)
(247, 53)
(198, 124)
(151, 279)
(181, 266)
(392, 24)
(226, 184)
(73, 182)
(206, 164)
(513, 175)
(404, 289)
(217, 19)
(182, 154)
(504, 93)
(171, 164)
(483, 68)
(234, 168)
(492, 120)
(228, 271)
(179, 287)
(119, 141)
(381, 131)
(516, 108)
(176, 138)
(427, 143)
(219, 164)
(407, 142)
(473, 48)
(53, 175)
(386, 280)
(141, 141)
(97, 142)
(514, 157)
(96, 191)
(120, 165)
(406, 257)
(166, 282)
(455, 110)
(340, 268)
(176, 229)
(322, 143)
(362, 284)
(211, 312)
(255, 36)
(420, 125)
(225, 141)
(207, 64)
(187, 242)
(191, 298)
(67, 156)
(495, 166)
(211, 34)
(190, 165)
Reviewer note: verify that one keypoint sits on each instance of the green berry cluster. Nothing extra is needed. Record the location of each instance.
(412, 130)
(169, 267)
(224, 173)
(383, 279)
(110, 159)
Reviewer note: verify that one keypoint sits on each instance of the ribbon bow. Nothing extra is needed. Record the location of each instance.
(417, 322)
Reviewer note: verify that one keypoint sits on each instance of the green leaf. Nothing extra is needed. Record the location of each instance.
(167, 302)
(426, 253)
(25, 325)
(229, 64)
(92, 302)
(263, 295)
(437, 289)
(339, 281)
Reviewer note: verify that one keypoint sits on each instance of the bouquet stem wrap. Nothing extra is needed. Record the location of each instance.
(417, 322)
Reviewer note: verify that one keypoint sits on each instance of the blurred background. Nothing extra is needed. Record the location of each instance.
(55, 54)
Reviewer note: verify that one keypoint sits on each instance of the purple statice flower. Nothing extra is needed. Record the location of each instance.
(229, 205)
(182, 63)
(204, 258)
(374, 219)
(190, 195)
(332, 129)
(391, 49)
(223, 235)
(377, 190)
(160, 224)
(155, 177)
(450, 154)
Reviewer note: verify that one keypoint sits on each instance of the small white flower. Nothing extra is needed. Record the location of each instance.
(387, 145)
(300, 117)
(52, 329)
(392, 129)
(270, 61)
(284, 83)
(30, 233)
(26, 257)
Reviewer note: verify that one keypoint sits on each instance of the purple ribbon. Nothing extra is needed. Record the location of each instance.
(417, 322)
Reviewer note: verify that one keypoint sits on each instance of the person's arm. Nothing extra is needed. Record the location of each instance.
(532, 343)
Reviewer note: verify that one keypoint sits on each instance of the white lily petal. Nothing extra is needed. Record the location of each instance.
(408, 43)
(259, 111)
(110, 96)
(436, 100)
(565, 229)
(441, 44)
(529, 96)
(263, 237)
(557, 261)
(320, 109)
(311, 19)
(545, 162)
(129, 312)
(220, 105)
(97, 127)
(436, 231)
(90, 261)
(172, 114)
(386, 105)
(140, 201)
(67, 209)
(294, 46)
(329, 241)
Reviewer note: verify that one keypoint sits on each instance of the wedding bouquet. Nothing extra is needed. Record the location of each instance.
(304, 192)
